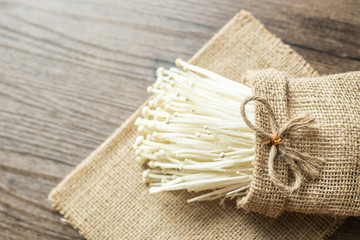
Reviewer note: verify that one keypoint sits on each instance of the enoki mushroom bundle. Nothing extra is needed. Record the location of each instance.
(198, 134)
(192, 136)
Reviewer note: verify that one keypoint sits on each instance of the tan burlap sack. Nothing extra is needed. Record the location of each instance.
(333, 102)
(104, 197)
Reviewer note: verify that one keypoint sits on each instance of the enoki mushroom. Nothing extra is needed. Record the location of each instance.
(192, 136)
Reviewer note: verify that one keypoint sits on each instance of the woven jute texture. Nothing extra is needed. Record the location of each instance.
(334, 102)
(104, 197)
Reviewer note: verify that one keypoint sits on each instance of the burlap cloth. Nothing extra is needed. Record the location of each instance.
(104, 197)
(334, 102)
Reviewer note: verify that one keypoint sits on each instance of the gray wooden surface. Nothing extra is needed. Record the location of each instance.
(73, 71)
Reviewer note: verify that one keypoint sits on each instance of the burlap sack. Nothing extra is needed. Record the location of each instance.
(104, 197)
(334, 102)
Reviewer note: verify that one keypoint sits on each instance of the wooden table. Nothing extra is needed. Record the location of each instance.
(73, 71)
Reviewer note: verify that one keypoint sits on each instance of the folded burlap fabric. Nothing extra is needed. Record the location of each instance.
(104, 197)
(333, 102)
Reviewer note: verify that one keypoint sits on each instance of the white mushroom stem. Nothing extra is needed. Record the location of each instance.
(192, 137)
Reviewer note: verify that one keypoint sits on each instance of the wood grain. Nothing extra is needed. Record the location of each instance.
(72, 71)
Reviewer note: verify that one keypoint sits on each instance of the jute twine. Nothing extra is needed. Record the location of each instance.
(303, 166)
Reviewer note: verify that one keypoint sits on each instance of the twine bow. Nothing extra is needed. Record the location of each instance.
(302, 165)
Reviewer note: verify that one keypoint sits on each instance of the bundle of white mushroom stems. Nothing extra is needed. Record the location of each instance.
(192, 136)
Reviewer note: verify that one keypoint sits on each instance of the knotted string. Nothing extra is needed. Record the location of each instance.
(302, 165)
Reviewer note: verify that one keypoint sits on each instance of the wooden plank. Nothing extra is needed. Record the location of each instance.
(72, 71)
